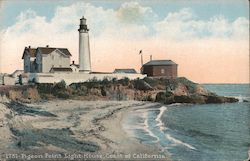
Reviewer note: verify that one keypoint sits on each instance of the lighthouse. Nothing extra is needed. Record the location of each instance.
(84, 49)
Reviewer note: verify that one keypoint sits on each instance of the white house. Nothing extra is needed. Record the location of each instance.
(42, 59)
(50, 65)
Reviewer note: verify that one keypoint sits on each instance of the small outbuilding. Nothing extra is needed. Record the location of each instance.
(160, 68)
(74, 67)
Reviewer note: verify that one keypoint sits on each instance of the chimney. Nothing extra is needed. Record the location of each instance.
(47, 46)
(151, 58)
(73, 62)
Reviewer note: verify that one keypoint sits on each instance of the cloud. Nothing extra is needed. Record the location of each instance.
(184, 25)
(133, 12)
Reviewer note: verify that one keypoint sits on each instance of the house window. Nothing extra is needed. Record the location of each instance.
(162, 71)
(52, 57)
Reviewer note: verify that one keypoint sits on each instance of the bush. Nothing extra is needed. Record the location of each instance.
(142, 85)
(45, 88)
(58, 89)
(61, 86)
(105, 81)
(114, 80)
(168, 94)
(79, 89)
(94, 79)
(125, 81)
(151, 81)
(93, 83)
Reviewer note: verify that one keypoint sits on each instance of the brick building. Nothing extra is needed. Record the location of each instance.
(160, 68)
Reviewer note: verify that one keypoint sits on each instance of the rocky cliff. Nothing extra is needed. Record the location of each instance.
(179, 90)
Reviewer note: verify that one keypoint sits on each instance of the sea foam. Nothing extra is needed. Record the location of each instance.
(169, 137)
(160, 124)
(146, 128)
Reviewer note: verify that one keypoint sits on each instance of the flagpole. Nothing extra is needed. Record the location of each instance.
(141, 60)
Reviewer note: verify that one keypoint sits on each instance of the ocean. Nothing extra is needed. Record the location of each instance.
(208, 132)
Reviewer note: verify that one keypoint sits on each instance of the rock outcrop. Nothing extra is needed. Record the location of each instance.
(179, 90)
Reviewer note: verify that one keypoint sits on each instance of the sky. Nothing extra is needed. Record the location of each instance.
(209, 40)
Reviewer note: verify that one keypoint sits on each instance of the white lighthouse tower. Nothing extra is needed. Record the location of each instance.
(84, 49)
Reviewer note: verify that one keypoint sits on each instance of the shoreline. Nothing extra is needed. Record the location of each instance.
(78, 127)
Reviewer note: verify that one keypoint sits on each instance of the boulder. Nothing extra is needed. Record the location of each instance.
(220, 99)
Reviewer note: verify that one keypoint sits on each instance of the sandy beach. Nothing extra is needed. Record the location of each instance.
(70, 130)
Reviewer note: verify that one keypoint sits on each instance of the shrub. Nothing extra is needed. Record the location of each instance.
(151, 81)
(142, 85)
(60, 86)
(94, 79)
(171, 84)
(125, 81)
(93, 83)
(79, 89)
(168, 94)
(105, 81)
(45, 88)
(114, 80)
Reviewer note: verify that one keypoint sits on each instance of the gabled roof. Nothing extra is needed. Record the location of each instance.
(44, 50)
(125, 71)
(30, 51)
(48, 50)
(17, 72)
(58, 69)
(160, 62)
